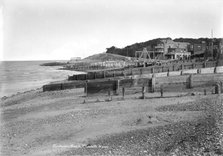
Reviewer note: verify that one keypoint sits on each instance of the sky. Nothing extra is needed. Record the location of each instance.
(61, 29)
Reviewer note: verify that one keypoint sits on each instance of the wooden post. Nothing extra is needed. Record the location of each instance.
(215, 69)
(182, 66)
(182, 72)
(151, 84)
(94, 75)
(85, 89)
(205, 92)
(123, 92)
(140, 71)
(117, 87)
(77, 77)
(217, 88)
(104, 74)
(221, 85)
(109, 92)
(193, 65)
(161, 90)
(173, 68)
(143, 92)
(204, 65)
(189, 82)
(162, 68)
(153, 70)
(168, 72)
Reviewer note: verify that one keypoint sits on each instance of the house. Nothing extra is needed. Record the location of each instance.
(172, 50)
(75, 59)
(178, 55)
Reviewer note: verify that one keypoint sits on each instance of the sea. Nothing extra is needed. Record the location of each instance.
(20, 76)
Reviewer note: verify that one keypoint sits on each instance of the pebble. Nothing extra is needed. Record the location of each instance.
(181, 138)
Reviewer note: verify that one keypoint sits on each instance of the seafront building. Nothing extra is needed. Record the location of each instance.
(169, 49)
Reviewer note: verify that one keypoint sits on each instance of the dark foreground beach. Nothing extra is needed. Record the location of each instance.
(61, 123)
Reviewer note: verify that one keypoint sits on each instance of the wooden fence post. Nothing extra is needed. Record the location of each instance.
(104, 74)
(215, 69)
(85, 89)
(123, 92)
(124, 73)
(189, 81)
(217, 88)
(153, 70)
(205, 92)
(182, 72)
(182, 66)
(221, 86)
(204, 64)
(143, 92)
(161, 90)
(140, 71)
(193, 65)
(117, 87)
(109, 94)
(152, 84)
(94, 75)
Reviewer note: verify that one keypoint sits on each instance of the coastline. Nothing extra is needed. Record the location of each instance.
(20, 93)
(22, 76)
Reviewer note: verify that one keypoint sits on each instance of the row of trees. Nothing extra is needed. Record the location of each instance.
(131, 49)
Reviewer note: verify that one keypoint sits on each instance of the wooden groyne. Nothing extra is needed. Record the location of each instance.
(63, 85)
(151, 83)
(95, 82)
(182, 66)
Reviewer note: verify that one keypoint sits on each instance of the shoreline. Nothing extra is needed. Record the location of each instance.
(4, 97)
(22, 76)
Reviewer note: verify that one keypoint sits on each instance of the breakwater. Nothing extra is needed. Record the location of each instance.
(188, 74)
(169, 68)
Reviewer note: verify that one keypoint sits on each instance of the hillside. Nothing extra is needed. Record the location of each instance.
(106, 57)
(130, 49)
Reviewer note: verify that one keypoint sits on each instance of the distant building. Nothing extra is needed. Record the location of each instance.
(198, 49)
(178, 55)
(75, 58)
(172, 50)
